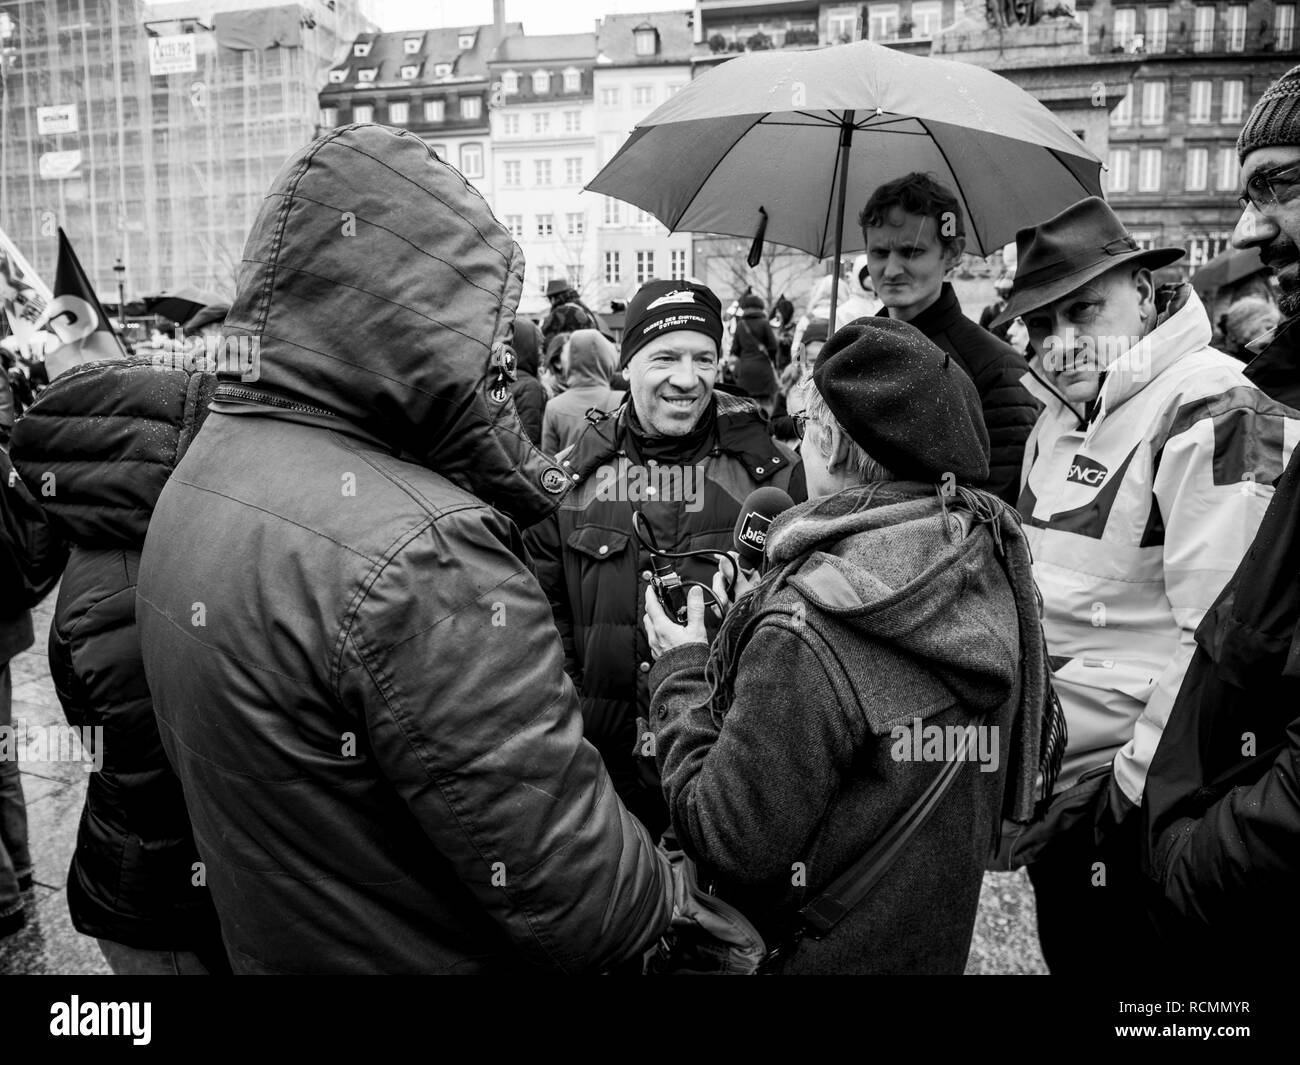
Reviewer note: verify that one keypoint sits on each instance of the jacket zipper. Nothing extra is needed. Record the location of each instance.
(251, 396)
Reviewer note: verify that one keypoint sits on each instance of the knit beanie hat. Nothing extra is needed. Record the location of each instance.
(664, 306)
(1275, 119)
(904, 402)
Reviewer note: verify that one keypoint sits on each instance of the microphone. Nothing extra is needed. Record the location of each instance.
(761, 507)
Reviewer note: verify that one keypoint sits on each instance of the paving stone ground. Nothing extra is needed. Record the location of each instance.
(1005, 940)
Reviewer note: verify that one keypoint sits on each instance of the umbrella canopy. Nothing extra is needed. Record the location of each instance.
(180, 304)
(799, 134)
(1227, 268)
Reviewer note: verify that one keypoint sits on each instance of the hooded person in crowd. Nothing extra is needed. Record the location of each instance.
(685, 457)
(588, 362)
(896, 604)
(1249, 321)
(1221, 808)
(914, 230)
(103, 438)
(754, 346)
(355, 673)
(528, 392)
(1147, 476)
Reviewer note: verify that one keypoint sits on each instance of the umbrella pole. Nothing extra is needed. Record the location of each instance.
(846, 141)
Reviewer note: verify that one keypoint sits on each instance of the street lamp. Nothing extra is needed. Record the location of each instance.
(119, 268)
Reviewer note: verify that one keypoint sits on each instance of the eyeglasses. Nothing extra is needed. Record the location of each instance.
(800, 423)
(1263, 186)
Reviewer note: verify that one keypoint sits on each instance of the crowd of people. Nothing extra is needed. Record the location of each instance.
(433, 648)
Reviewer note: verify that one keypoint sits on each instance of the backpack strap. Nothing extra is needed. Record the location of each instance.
(819, 917)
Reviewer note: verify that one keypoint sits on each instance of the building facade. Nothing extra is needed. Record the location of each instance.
(641, 61)
(1172, 170)
(151, 132)
(544, 152)
(433, 82)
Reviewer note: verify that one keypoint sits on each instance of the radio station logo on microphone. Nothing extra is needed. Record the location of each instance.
(753, 533)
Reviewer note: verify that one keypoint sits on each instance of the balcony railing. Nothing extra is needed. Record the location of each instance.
(1261, 38)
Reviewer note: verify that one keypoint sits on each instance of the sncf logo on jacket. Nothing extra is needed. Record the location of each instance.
(1084, 470)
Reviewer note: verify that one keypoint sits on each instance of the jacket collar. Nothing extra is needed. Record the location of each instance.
(939, 316)
(1276, 352)
(742, 433)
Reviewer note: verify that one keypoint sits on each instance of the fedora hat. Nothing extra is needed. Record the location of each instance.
(1057, 256)
(558, 287)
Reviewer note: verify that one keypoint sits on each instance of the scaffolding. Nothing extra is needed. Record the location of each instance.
(151, 132)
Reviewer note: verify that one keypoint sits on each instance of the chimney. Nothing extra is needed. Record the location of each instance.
(499, 16)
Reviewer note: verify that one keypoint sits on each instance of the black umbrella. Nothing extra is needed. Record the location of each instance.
(180, 304)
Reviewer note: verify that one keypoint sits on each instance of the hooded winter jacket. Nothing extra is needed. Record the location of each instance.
(996, 368)
(1221, 808)
(356, 675)
(595, 571)
(527, 389)
(1137, 519)
(754, 344)
(96, 449)
(591, 365)
(893, 621)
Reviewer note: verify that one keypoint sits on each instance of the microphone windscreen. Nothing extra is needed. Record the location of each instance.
(760, 509)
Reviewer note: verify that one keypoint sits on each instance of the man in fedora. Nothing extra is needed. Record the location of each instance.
(1146, 477)
(1221, 809)
(568, 313)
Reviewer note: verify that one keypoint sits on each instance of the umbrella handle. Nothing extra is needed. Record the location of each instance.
(846, 143)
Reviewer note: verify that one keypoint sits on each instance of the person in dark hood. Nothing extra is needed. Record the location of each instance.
(897, 603)
(355, 673)
(682, 455)
(527, 389)
(588, 362)
(107, 436)
(1221, 809)
(755, 347)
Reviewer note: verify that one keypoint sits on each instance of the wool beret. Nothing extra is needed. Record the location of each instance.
(904, 402)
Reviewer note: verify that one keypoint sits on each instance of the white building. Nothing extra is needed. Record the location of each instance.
(641, 61)
(544, 151)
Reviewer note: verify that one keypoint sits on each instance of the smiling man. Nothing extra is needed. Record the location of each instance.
(1146, 478)
(1221, 814)
(915, 233)
(685, 457)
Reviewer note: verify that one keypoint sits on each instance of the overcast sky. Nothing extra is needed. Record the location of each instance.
(538, 16)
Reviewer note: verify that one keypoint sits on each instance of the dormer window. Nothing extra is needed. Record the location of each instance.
(442, 70)
(541, 81)
(647, 40)
(573, 80)
(465, 41)
(410, 72)
(361, 49)
(367, 75)
(411, 45)
(510, 82)
(338, 77)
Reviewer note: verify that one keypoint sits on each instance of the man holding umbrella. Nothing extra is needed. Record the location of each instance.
(1147, 475)
(914, 230)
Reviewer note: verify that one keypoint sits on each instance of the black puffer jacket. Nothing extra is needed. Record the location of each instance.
(595, 572)
(96, 449)
(996, 368)
(355, 672)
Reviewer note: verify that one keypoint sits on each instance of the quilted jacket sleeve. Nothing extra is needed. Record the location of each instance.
(474, 721)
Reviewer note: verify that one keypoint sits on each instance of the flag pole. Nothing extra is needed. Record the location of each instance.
(846, 142)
